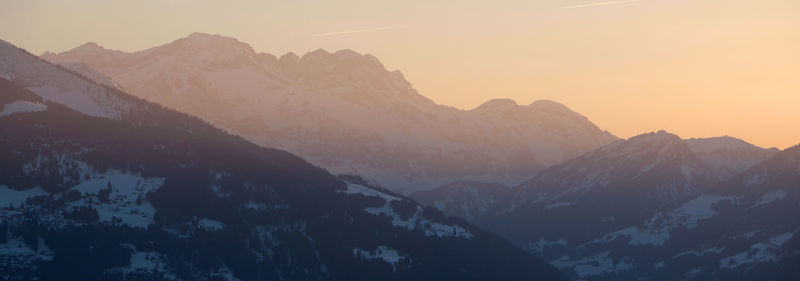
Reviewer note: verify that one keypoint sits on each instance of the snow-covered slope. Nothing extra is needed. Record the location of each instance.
(54, 84)
(159, 195)
(745, 228)
(90, 73)
(21, 106)
(346, 112)
(593, 215)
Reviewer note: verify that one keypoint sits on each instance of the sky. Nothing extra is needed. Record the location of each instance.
(696, 68)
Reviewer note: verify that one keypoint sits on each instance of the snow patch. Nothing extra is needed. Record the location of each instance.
(22, 106)
(765, 251)
(542, 243)
(656, 230)
(557, 205)
(148, 262)
(126, 202)
(17, 197)
(704, 252)
(255, 206)
(770, 197)
(414, 222)
(211, 225)
(595, 265)
(74, 99)
(383, 253)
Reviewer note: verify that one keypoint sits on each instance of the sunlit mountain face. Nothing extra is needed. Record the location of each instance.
(630, 140)
(345, 112)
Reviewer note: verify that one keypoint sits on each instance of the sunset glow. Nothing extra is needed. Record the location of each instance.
(695, 68)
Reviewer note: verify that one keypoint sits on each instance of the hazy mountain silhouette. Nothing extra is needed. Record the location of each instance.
(346, 112)
(614, 212)
(100, 185)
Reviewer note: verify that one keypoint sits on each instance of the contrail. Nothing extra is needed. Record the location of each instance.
(600, 4)
(358, 31)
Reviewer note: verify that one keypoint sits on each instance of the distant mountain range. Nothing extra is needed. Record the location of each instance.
(344, 111)
(652, 207)
(87, 159)
(96, 184)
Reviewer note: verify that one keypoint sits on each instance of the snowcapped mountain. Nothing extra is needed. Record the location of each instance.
(117, 188)
(344, 111)
(54, 84)
(464, 199)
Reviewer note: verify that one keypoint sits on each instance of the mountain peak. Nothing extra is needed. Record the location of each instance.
(90, 45)
(83, 53)
(208, 38)
(549, 105)
(349, 57)
(87, 47)
(215, 44)
(317, 55)
(723, 142)
(661, 144)
(497, 104)
(347, 53)
(660, 136)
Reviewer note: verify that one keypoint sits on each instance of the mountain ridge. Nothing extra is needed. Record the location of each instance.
(654, 198)
(344, 111)
(149, 193)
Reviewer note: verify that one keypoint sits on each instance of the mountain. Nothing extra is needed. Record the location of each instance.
(601, 216)
(344, 111)
(743, 229)
(464, 199)
(99, 185)
(728, 156)
(90, 73)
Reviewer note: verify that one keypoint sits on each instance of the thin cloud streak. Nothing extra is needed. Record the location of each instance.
(357, 31)
(600, 4)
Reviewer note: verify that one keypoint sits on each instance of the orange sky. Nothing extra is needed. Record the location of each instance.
(697, 68)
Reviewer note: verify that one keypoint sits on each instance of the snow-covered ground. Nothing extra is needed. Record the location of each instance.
(210, 225)
(542, 243)
(21, 106)
(416, 220)
(383, 253)
(54, 84)
(765, 251)
(10, 197)
(656, 230)
(595, 265)
(770, 197)
(126, 203)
